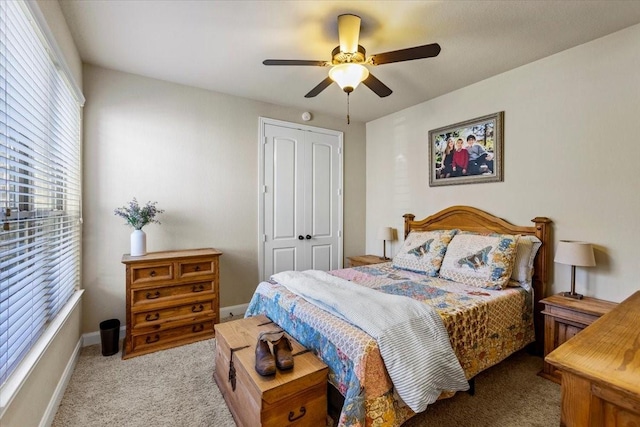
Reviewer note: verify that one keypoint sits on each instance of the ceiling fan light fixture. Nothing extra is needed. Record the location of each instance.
(348, 76)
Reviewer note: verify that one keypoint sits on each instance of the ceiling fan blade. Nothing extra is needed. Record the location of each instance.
(418, 52)
(377, 86)
(322, 86)
(294, 62)
(348, 32)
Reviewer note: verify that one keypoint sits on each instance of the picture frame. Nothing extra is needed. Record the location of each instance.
(483, 155)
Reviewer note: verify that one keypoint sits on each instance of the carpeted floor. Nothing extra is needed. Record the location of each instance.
(174, 388)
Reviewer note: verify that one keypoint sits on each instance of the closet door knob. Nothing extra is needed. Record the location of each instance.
(308, 237)
(300, 237)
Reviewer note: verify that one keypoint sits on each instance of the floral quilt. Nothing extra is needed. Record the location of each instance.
(485, 326)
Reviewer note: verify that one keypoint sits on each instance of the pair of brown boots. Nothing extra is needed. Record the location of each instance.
(266, 362)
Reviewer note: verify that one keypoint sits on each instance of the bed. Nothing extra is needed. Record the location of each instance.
(484, 325)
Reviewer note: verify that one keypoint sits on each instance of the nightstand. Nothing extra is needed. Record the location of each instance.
(356, 261)
(565, 317)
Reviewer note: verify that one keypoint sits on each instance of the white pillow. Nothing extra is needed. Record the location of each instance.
(480, 260)
(525, 254)
(423, 251)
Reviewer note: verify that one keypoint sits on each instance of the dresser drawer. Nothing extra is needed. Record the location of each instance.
(172, 314)
(142, 296)
(183, 333)
(151, 273)
(195, 268)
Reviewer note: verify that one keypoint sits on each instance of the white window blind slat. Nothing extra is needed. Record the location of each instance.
(40, 185)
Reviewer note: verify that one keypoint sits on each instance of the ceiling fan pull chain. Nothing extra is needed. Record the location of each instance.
(348, 120)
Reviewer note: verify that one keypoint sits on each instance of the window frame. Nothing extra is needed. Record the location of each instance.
(64, 81)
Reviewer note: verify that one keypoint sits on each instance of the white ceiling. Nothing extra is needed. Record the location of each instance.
(220, 45)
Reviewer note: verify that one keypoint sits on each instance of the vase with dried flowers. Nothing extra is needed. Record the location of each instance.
(138, 217)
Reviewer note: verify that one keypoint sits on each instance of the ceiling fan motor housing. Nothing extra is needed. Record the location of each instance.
(339, 57)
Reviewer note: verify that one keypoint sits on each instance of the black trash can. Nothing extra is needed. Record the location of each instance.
(110, 336)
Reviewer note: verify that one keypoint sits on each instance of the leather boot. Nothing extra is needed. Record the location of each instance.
(282, 351)
(265, 362)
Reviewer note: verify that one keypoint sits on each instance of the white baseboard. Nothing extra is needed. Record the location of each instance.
(93, 338)
(58, 394)
(234, 310)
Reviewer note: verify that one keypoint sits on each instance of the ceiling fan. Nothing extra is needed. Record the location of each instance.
(348, 60)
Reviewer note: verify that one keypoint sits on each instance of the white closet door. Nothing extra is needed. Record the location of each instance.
(322, 200)
(301, 207)
(283, 200)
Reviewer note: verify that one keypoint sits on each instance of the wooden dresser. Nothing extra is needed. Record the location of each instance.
(565, 317)
(601, 370)
(172, 299)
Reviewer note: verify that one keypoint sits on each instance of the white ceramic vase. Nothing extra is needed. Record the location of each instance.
(138, 243)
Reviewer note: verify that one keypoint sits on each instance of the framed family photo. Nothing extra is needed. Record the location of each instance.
(468, 152)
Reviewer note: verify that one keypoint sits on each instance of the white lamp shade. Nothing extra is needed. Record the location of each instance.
(385, 233)
(575, 253)
(348, 75)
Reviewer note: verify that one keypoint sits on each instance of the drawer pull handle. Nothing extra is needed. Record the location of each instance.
(153, 296)
(148, 318)
(291, 417)
(197, 309)
(197, 288)
(197, 268)
(153, 273)
(150, 340)
(197, 328)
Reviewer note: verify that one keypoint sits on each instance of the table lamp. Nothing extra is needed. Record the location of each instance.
(384, 234)
(574, 254)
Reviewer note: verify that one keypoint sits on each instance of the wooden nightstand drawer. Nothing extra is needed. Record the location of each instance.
(571, 315)
(159, 294)
(360, 260)
(151, 273)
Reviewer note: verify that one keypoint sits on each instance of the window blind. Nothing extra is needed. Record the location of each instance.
(40, 186)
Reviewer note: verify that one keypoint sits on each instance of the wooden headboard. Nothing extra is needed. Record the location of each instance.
(471, 219)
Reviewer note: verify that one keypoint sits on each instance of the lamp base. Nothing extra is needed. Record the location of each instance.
(571, 295)
(385, 258)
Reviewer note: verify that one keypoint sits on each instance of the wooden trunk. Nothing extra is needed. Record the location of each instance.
(289, 398)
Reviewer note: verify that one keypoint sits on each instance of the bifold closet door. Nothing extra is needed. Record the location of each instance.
(302, 200)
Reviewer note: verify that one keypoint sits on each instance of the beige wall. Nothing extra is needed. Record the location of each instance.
(29, 406)
(571, 153)
(195, 152)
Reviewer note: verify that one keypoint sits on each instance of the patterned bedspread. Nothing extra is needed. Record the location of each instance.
(485, 326)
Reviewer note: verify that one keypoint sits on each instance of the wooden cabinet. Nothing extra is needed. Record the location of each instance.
(172, 299)
(565, 317)
(601, 370)
(356, 261)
